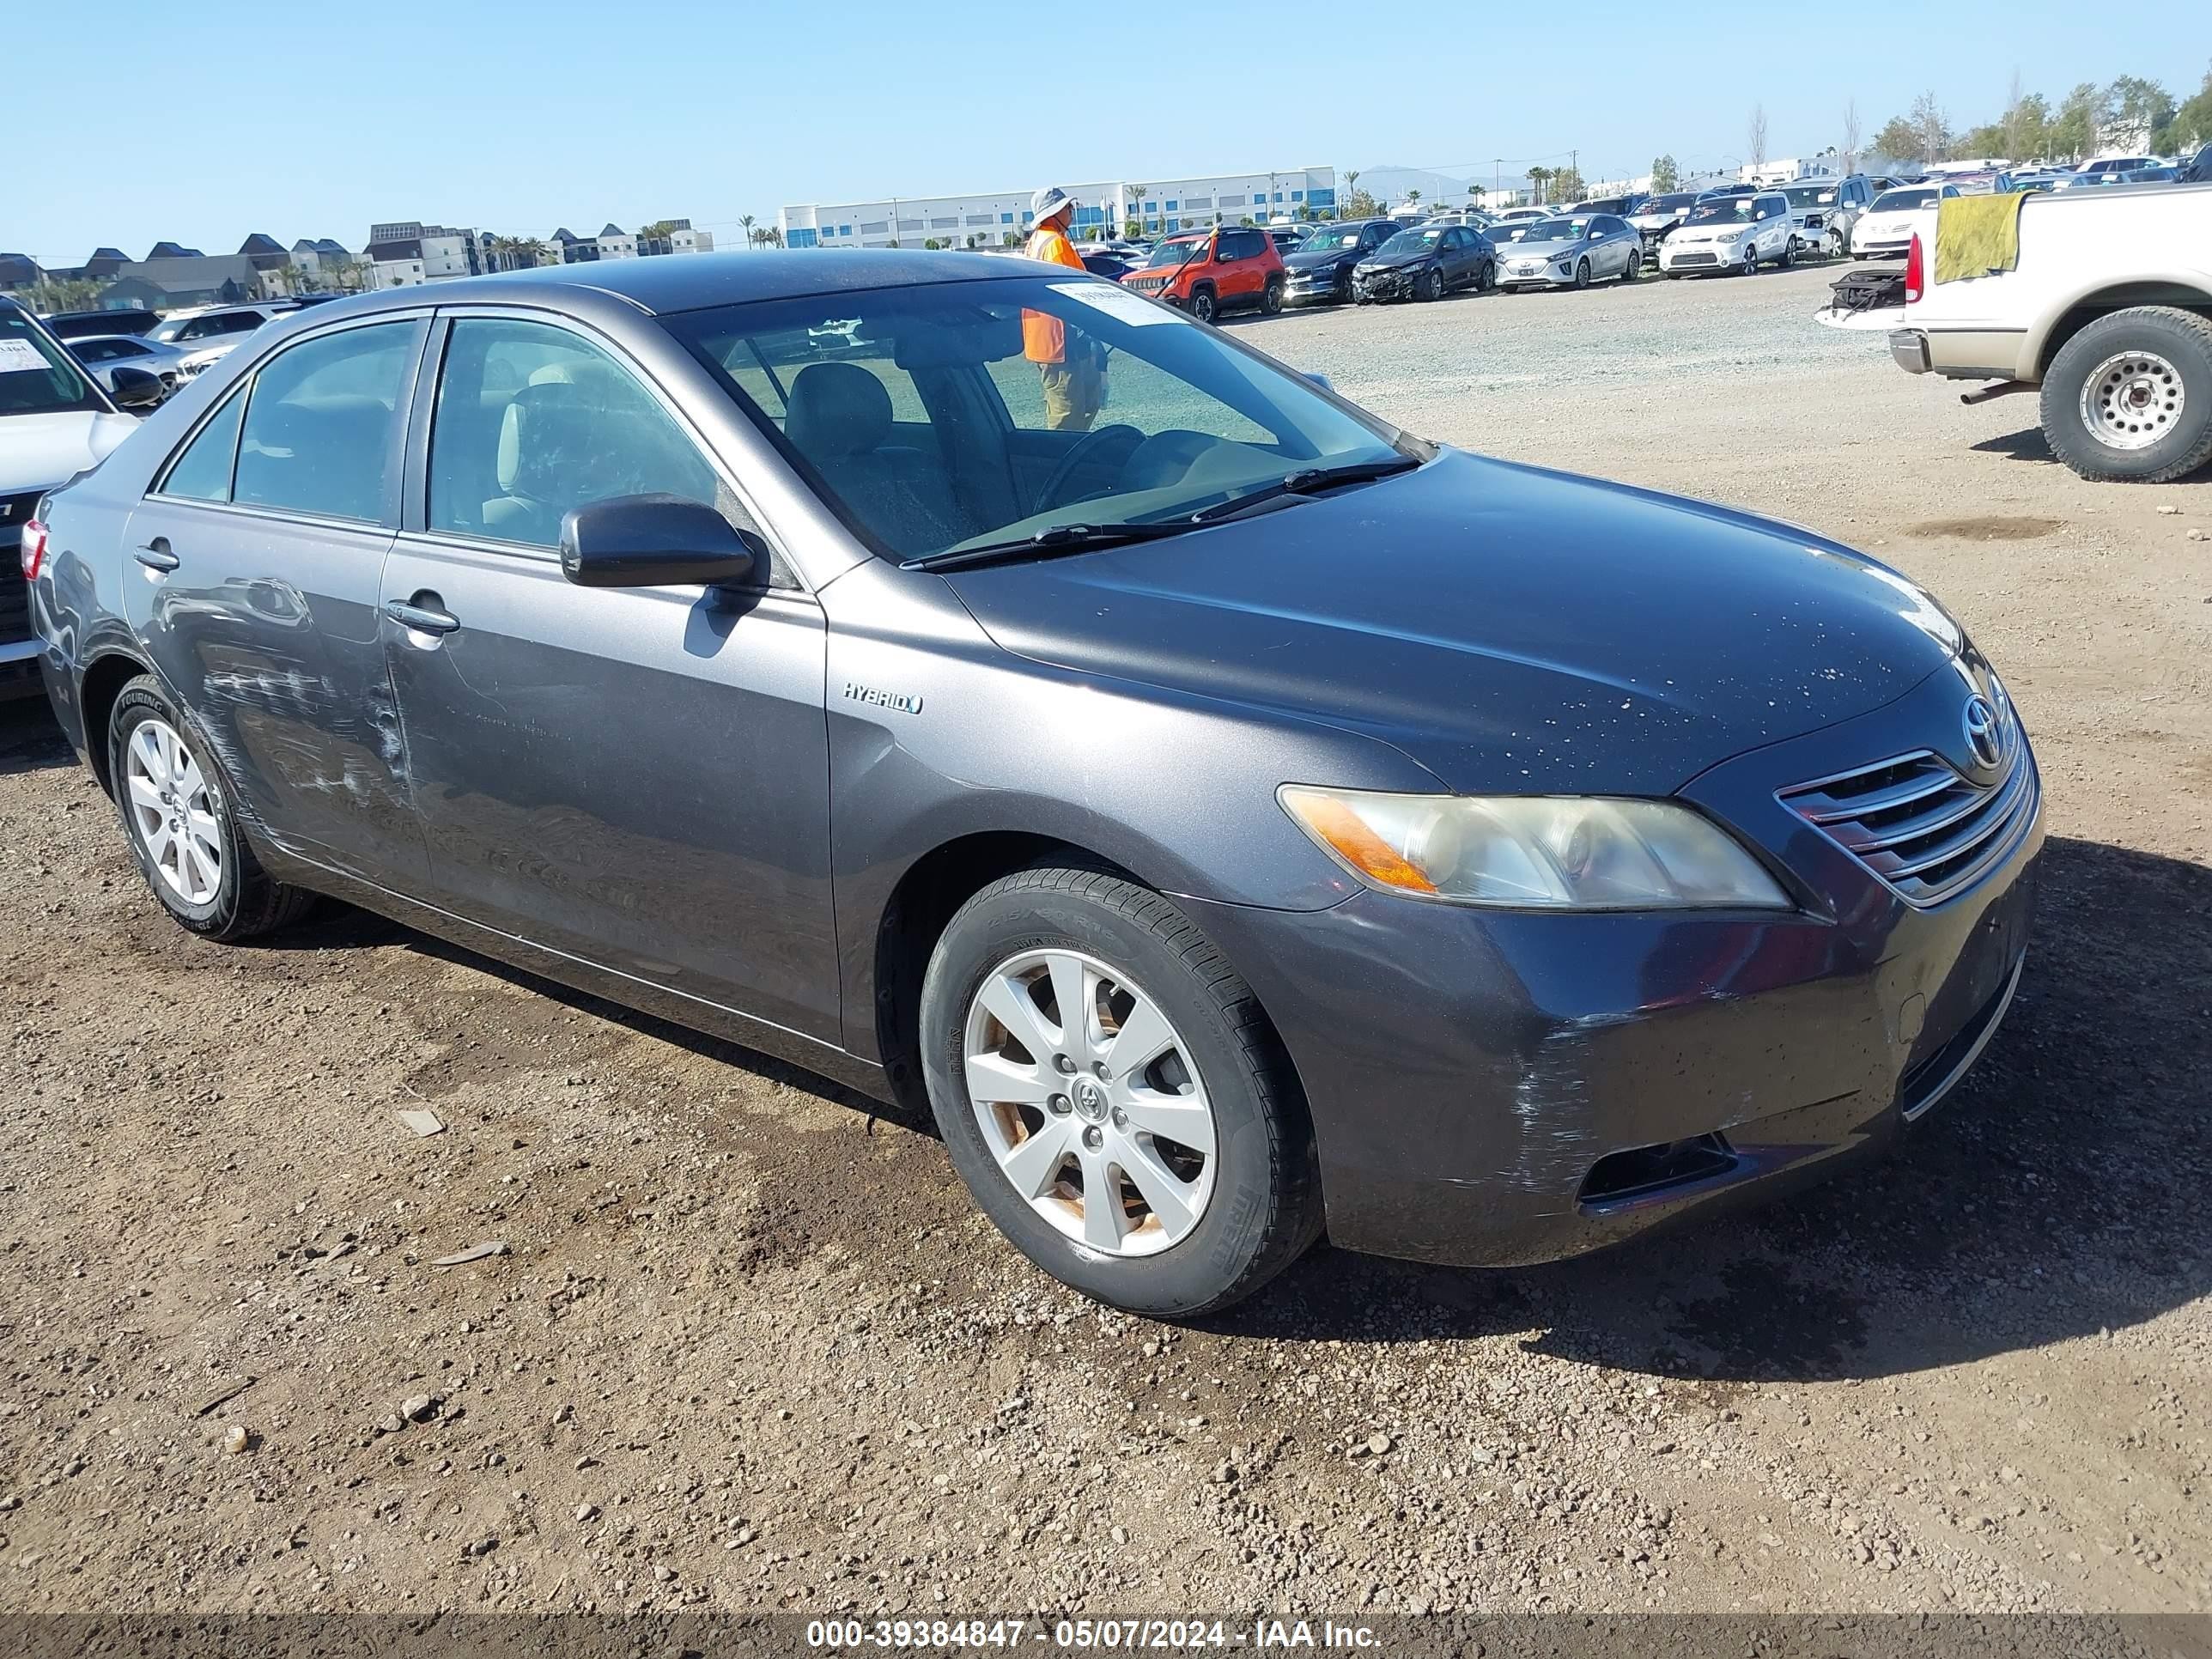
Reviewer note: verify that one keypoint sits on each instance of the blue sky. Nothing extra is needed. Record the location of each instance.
(311, 120)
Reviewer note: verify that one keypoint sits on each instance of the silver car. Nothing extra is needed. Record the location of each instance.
(101, 354)
(1572, 251)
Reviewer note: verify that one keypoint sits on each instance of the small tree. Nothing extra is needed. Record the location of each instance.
(1413, 197)
(1131, 230)
(1850, 161)
(1665, 175)
(1933, 126)
(1756, 137)
(50, 294)
(746, 220)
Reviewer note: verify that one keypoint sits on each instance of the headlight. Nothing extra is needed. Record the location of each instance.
(1549, 852)
(1729, 236)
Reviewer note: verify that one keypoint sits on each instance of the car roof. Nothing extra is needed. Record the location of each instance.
(689, 281)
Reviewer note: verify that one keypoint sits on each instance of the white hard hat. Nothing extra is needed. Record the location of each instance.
(1049, 201)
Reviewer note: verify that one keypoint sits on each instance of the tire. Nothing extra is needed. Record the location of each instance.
(1486, 277)
(2167, 354)
(1202, 304)
(1788, 257)
(1262, 1204)
(1634, 268)
(1582, 273)
(237, 899)
(1751, 260)
(1272, 302)
(1431, 287)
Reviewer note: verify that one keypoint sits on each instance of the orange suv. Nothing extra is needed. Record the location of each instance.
(1206, 272)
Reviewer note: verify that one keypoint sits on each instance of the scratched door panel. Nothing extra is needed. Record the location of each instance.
(638, 777)
(267, 629)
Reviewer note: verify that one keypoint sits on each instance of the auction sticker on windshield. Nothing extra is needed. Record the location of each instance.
(16, 355)
(1117, 302)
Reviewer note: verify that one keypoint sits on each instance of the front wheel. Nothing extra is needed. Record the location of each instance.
(1202, 304)
(2128, 399)
(180, 825)
(1751, 259)
(1430, 285)
(1582, 273)
(1112, 1097)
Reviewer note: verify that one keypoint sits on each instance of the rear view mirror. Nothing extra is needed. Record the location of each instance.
(653, 541)
(134, 388)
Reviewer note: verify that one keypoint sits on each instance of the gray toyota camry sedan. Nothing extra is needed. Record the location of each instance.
(1234, 816)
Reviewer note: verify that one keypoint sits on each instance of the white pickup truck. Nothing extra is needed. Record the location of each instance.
(2108, 312)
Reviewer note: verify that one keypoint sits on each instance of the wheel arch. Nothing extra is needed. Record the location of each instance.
(2085, 308)
(100, 684)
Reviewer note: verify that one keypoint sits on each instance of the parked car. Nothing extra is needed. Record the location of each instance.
(1622, 207)
(1732, 234)
(1112, 266)
(1513, 224)
(1572, 251)
(2158, 175)
(78, 325)
(662, 663)
(2199, 170)
(1425, 263)
(56, 420)
(1824, 211)
(1288, 239)
(2105, 164)
(210, 331)
(1320, 272)
(1658, 216)
(1884, 229)
(104, 353)
(1206, 272)
(2107, 314)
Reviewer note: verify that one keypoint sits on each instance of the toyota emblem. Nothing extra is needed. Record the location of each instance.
(1981, 724)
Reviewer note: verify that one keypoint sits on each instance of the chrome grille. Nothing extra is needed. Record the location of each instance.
(1928, 830)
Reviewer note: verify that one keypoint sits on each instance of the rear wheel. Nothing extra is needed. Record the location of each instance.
(1110, 1092)
(180, 825)
(1486, 277)
(1272, 302)
(1634, 268)
(2128, 399)
(1788, 257)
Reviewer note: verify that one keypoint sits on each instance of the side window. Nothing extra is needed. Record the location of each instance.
(533, 420)
(201, 473)
(321, 421)
(238, 322)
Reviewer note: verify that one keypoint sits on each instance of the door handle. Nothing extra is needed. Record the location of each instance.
(156, 555)
(421, 619)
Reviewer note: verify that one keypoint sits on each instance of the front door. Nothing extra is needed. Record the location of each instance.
(258, 557)
(635, 777)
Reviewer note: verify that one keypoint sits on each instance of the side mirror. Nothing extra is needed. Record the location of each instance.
(134, 388)
(1322, 381)
(653, 541)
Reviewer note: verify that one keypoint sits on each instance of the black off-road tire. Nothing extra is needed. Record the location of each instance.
(1266, 1208)
(246, 902)
(1430, 285)
(1203, 305)
(1271, 303)
(2183, 339)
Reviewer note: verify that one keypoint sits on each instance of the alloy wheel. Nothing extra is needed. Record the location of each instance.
(172, 811)
(2131, 400)
(1090, 1101)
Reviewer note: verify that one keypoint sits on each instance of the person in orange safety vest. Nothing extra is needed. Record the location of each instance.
(1073, 372)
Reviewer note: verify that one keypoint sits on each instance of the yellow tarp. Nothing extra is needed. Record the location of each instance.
(1978, 235)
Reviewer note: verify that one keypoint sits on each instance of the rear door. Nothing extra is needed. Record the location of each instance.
(635, 777)
(258, 555)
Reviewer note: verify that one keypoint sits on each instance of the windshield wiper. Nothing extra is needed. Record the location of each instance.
(1054, 538)
(1307, 480)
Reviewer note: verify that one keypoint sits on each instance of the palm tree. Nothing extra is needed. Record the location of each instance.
(1475, 193)
(1537, 176)
(1414, 196)
(746, 220)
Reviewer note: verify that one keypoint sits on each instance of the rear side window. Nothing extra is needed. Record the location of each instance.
(201, 473)
(321, 424)
(533, 420)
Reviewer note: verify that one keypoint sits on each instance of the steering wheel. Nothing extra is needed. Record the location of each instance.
(1087, 449)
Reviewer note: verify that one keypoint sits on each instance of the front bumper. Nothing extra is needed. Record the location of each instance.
(1385, 285)
(1513, 273)
(1497, 1087)
(1700, 255)
(1329, 288)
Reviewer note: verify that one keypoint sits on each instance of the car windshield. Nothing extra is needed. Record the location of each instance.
(1669, 204)
(1408, 242)
(1901, 201)
(37, 377)
(1805, 196)
(1557, 230)
(1605, 205)
(1329, 237)
(1176, 253)
(1728, 209)
(976, 414)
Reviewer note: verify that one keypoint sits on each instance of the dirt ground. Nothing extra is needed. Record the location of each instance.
(751, 1348)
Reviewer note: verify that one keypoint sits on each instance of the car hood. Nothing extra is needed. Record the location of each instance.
(1399, 261)
(1318, 259)
(1895, 220)
(1552, 250)
(1513, 629)
(1713, 231)
(38, 451)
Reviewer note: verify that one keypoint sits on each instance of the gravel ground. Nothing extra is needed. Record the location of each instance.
(750, 1348)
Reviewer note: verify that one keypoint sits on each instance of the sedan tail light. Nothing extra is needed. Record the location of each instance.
(35, 549)
(1915, 272)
